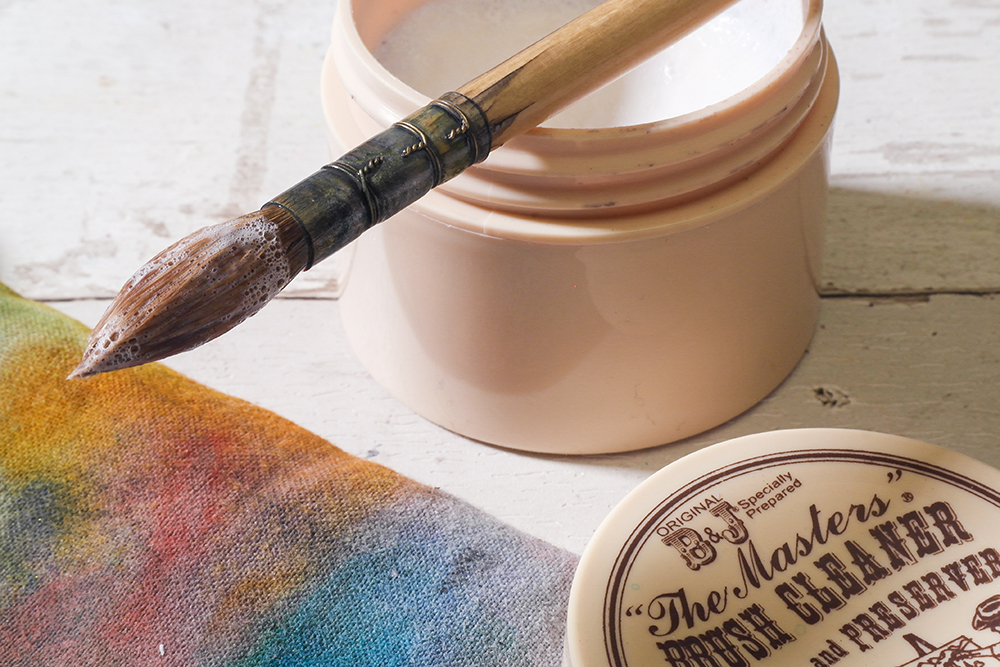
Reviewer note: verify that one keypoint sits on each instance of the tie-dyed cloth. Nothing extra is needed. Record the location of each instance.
(147, 520)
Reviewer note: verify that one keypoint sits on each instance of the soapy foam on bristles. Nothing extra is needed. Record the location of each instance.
(721, 58)
(224, 273)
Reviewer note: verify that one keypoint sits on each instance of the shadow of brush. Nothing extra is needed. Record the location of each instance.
(887, 243)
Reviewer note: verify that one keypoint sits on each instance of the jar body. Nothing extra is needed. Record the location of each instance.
(643, 326)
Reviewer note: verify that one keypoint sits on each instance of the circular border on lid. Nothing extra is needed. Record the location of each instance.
(799, 547)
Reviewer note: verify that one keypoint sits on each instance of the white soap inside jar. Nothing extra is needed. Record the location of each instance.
(718, 60)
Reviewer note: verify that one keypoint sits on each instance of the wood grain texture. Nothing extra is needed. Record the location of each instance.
(897, 234)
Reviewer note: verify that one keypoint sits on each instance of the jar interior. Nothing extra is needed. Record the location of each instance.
(438, 45)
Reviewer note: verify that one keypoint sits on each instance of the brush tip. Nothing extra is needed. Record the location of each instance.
(194, 291)
(81, 371)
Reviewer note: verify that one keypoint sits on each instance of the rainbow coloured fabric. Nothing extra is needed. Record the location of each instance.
(148, 520)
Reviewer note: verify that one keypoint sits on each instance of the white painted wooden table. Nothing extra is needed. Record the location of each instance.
(126, 125)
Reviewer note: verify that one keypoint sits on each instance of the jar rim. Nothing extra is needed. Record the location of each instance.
(399, 98)
(579, 186)
(803, 146)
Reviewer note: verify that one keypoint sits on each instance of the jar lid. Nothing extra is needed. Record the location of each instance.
(811, 547)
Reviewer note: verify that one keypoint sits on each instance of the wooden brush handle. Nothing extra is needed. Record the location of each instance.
(399, 166)
(580, 57)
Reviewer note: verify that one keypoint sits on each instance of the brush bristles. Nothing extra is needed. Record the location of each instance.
(196, 290)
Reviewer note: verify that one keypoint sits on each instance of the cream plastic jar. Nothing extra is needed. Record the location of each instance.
(601, 289)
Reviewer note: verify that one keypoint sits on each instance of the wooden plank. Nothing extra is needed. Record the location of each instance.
(907, 234)
(924, 368)
(126, 127)
(919, 93)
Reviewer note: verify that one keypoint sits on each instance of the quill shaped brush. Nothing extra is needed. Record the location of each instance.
(209, 282)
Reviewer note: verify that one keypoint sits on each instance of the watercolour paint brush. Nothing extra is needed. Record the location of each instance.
(209, 282)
